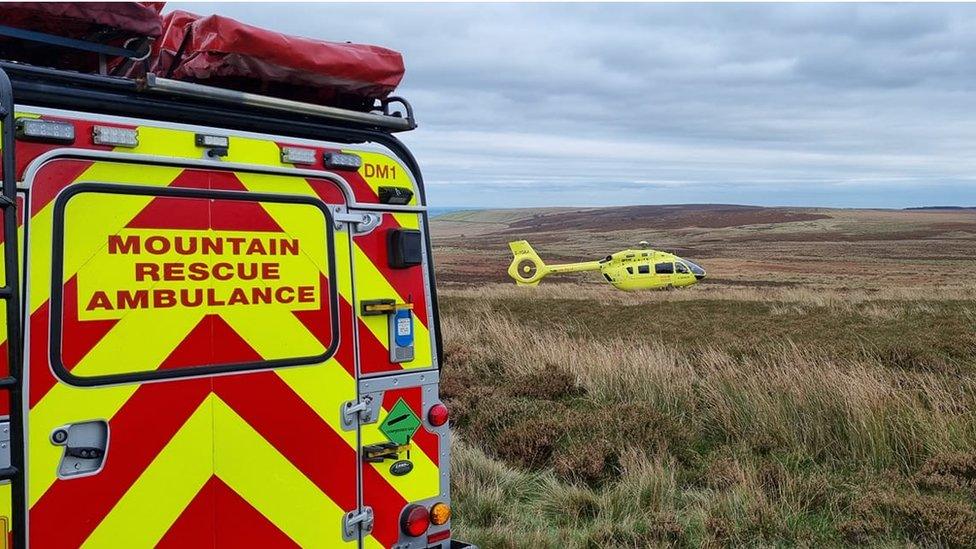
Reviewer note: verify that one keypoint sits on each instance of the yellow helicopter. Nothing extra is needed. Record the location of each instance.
(629, 270)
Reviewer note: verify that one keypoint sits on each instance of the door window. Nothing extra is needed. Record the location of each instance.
(664, 268)
(192, 269)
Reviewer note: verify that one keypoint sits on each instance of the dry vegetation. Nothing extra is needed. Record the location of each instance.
(799, 405)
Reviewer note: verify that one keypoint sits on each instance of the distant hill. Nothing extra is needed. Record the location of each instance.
(444, 210)
(672, 216)
(949, 208)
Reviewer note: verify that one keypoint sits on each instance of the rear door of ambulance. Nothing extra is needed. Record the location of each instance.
(190, 347)
(398, 364)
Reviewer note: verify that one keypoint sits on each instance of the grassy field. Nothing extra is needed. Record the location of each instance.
(819, 388)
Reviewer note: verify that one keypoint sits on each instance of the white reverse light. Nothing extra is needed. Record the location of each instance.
(35, 129)
(297, 155)
(117, 137)
(343, 161)
(214, 141)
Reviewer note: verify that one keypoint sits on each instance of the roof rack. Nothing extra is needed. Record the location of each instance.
(140, 51)
(387, 118)
(135, 49)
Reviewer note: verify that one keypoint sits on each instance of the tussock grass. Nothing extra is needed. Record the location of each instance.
(827, 296)
(572, 438)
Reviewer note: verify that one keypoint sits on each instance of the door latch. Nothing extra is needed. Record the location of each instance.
(361, 222)
(355, 412)
(355, 522)
(376, 453)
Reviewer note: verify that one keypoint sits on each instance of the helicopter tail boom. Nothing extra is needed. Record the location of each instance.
(527, 268)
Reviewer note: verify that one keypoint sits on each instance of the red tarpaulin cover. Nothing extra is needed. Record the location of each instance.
(223, 52)
(111, 23)
(78, 19)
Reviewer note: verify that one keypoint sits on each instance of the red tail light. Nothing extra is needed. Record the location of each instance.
(437, 415)
(415, 521)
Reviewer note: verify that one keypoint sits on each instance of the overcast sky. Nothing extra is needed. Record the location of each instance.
(587, 104)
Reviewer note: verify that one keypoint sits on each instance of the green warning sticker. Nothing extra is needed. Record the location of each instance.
(400, 424)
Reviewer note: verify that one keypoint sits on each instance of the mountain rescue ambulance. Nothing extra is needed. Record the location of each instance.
(220, 311)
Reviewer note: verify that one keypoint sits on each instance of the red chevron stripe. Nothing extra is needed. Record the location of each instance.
(362, 190)
(211, 341)
(53, 177)
(327, 191)
(196, 525)
(80, 336)
(241, 525)
(202, 214)
(319, 323)
(409, 282)
(72, 509)
(41, 377)
(287, 422)
(374, 357)
(387, 505)
(219, 517)
(4, 398)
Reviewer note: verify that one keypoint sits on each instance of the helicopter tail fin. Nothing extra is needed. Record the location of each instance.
(527, 267)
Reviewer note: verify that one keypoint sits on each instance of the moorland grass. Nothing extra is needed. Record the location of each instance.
(589, 423)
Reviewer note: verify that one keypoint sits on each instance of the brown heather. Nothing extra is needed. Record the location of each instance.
(819, 389)
(635, 444)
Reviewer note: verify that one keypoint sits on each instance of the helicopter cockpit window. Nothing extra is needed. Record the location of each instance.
(695, 269)
(664, 268)
(644, 269)
(681, 267)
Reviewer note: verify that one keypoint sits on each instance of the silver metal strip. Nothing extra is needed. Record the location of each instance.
(166, 85)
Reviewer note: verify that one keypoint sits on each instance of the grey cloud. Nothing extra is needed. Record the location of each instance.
(819, 104)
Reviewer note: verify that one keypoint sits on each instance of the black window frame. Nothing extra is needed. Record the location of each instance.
(664, 264)
(644, 269)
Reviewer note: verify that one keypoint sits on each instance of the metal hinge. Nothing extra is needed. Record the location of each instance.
(355, 412)
(4, 444)
(355, 522)
(361, 222)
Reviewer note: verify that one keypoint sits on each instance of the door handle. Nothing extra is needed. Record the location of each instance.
(84, 452)
(85, 446)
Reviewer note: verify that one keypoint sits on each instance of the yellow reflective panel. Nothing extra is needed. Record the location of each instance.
(153, 503)
(380, 170)
(253, 468)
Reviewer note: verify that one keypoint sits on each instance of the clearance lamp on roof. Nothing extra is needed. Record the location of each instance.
(50, 131)
(116, 137)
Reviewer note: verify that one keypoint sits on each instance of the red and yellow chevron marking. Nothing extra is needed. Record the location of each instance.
(245, 458)
(375, 280)
(378, 169)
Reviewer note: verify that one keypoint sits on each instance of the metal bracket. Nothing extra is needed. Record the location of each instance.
(361, 222)
(4, 444)
(355, 522)
(355, 412)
